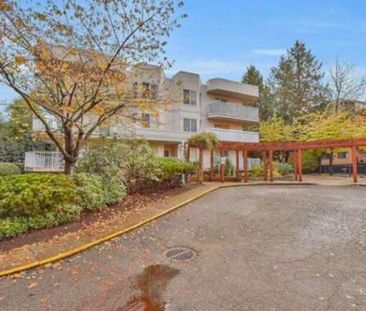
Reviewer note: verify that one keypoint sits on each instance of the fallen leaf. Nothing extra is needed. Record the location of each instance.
(32, 285)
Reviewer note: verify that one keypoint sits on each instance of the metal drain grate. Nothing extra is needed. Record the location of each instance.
(180, 254)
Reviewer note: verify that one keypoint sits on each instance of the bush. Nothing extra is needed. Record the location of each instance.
(256, 171)
(131, 162)
(35, 194)
(12, 227)
(283, 169)
(90, 190)
(310, 161)
(9, 169)
(172, 170)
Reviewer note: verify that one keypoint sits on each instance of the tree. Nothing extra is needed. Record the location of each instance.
(203, 141)
(265, 103)
(72, 60)
(15, 132)
(344, 84)
(297, 83)
(325, 125)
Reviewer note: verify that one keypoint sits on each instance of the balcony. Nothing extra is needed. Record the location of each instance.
(222, 87)
(234, 135)
(234, 112)
(152, 134)
(43, 161)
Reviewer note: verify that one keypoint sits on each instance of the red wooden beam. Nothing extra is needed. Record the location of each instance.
(212, 167)
(265, 168)
(319, 144)
(299, 164)
(296, 169)
(354, 164)
(271, 165)
(245, 164)
(237, 172)
(222, 166)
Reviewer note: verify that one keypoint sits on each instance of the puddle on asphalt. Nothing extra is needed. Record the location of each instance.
(151, 285)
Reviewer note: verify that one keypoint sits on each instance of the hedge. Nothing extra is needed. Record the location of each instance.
(7, 168)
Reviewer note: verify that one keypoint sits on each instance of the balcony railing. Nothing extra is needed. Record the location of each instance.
(234, 135)
(43, 161)
(220, 110)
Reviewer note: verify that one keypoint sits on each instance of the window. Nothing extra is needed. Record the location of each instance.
(190, 125)
(342, 155)
(149, 90)
(166, 154)
(221, 100)
(189, 97)
(145, 120)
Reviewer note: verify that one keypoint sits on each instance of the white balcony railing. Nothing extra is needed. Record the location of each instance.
(235, 135)
(232, 111)
(43, 161)
(152, 134)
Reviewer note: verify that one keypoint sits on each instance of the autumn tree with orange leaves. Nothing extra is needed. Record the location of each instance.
(72, 60)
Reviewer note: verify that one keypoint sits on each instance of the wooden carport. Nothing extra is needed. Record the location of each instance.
(267, 150)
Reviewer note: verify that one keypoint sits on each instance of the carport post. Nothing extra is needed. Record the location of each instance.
(270, 165)
(296, 167)
(245, 163)
(237, 172)
(200, 164)
(265, 170)
(222, 166)
(354, 163)
(299, 164)
(212, 167)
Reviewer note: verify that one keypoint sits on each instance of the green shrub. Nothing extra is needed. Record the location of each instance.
(9, 169)
(114, 190)
(310, 161)
(131, 162)
(172, 170)
(11, 227)
(172, 167)
(256, 171)
(35, 194)
(91, 191)
(283, 169)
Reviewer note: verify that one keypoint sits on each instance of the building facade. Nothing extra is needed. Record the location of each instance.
(224, 107)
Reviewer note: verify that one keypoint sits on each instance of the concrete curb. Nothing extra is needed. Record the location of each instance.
(108, 237)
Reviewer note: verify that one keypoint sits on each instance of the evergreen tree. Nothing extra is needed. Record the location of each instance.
(297, 83)
(265, 104)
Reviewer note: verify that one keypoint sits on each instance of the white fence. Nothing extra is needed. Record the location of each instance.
(43, 161)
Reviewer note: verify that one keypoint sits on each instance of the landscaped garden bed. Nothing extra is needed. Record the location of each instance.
(107, 173)
(97, 219)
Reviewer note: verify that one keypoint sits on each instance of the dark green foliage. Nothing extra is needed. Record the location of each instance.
(283, 169)
(15, 133)
(9, 169)
(35, 194)
(172, 170)
(128, 161)
(91, 191)
(206, 140)
(297, 83)
(265, 103)
(11, 227)
(311, 161)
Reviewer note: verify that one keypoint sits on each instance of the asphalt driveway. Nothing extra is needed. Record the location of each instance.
(257, 248)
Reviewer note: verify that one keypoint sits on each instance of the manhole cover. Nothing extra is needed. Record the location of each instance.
(180, 254)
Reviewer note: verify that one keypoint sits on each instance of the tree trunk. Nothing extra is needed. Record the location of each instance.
(69, 167)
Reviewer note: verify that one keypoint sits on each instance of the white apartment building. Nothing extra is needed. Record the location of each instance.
(224, 107)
